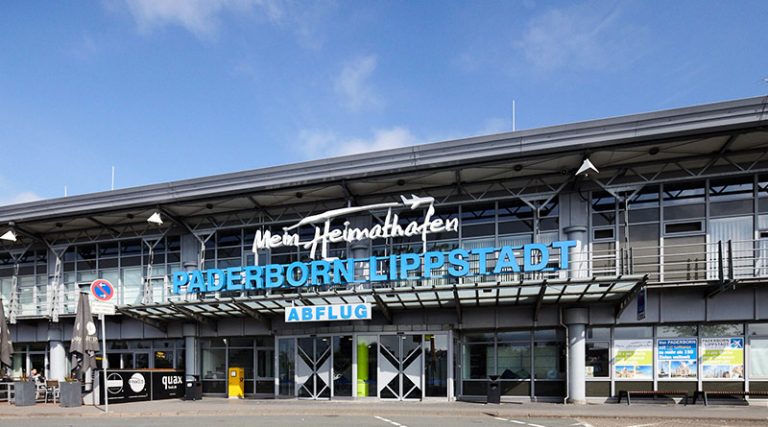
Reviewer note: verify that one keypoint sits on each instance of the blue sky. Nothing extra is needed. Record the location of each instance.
(166, 90)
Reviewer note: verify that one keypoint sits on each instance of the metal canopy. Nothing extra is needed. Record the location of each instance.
(387, 300)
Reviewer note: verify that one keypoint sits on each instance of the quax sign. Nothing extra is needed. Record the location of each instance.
(407, 266)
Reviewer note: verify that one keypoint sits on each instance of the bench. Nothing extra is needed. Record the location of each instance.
(706, 394)
(644, 393)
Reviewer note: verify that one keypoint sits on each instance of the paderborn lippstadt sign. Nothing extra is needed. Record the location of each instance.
(404, 266)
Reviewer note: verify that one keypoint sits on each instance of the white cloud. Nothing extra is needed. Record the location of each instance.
(202, 17)
(315, 144)
(23, 197)
(584, 36)
(353, 83)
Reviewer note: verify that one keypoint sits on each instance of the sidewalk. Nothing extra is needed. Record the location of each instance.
(223, 407)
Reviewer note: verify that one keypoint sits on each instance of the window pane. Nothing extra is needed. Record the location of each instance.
(758, 358)
(266, 365)
(514, 361)
(286, 350)
(514, 336)
(674, 331)
(549, 361)
(242, 358)
(758, 329)
(597, 358)
(599, 334)
(633, 332)
(478, 361)
(722, 330)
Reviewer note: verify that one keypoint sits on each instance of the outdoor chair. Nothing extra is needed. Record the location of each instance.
(52, 390)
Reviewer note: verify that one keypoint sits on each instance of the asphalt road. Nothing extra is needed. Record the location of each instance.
(363, 421)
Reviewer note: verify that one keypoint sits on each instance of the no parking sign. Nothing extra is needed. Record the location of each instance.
(102, 290)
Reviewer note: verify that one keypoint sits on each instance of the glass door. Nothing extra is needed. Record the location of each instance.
(342, 366)
(313, 367)
(400, 367)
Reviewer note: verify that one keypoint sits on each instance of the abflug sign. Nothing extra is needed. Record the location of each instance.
(406, 266)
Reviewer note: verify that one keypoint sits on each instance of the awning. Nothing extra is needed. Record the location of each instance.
(617, 289)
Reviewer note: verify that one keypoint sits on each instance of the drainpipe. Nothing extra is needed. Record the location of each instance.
(567, 360)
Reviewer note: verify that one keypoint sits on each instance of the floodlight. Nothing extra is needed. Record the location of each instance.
(155, 218)
(586, 168)
(9, 235)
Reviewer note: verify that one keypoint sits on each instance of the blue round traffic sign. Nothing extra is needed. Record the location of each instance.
(102, 290)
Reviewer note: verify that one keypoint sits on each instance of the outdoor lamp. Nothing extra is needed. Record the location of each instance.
(9, 235)
(155, 219)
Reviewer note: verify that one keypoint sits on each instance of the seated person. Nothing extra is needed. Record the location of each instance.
(36, 377)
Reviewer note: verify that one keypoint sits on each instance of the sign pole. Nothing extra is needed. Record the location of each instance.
(104, 363)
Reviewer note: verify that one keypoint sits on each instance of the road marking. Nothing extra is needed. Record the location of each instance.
(644, 425)
(394, 423)
(523, 423)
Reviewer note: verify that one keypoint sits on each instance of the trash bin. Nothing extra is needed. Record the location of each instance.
(193, 388)
(494, 392)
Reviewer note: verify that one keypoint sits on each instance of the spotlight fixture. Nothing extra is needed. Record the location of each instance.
(155, 218)
(9, 235)
(586, 168)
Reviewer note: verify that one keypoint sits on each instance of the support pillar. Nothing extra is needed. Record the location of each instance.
(578, 267)
(191, 363)
(57, 359)
(57, 354)
(577, 319)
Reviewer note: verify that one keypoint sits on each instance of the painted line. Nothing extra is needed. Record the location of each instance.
(535, 425)
(394, 423)
(517, 422)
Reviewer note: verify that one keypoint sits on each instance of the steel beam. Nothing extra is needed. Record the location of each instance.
(383, 307)
(157, 324)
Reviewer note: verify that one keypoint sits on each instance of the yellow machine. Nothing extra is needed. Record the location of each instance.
(236, 383)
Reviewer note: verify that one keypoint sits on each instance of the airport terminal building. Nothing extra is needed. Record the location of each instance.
(566, 263)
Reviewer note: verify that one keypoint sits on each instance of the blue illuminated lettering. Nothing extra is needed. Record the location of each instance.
(409, 262)
(196, 282)
(215, 280)
(346, 311)
(405, 266)
(506, 260)
(233, 279)
(274, 276)
(458, 258)
(528, 254)
(432, 260)
(361, 311)
(180, 278)
(564, 246)
(296, 274)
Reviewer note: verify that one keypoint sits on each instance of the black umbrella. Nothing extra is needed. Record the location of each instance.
(6, 347)
(84, 343)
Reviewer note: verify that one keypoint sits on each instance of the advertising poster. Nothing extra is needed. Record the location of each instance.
(677, 358)
(722, 358)
(633, 359)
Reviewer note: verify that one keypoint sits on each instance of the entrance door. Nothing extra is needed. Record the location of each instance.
(313, 367)
(400, 367)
